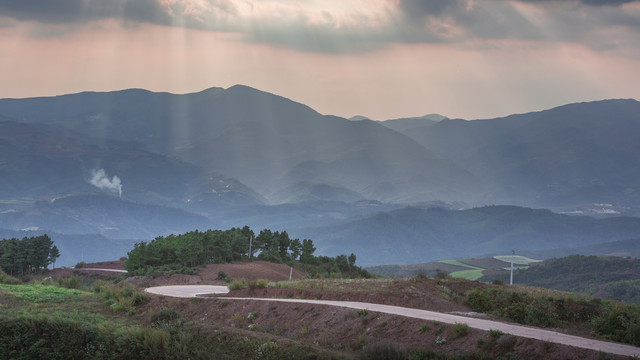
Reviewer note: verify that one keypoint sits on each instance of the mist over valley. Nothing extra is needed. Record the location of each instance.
(132, 165)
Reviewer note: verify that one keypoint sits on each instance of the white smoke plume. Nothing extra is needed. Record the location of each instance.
(100, 180)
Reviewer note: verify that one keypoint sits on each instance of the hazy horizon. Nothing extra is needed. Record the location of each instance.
(380, 59)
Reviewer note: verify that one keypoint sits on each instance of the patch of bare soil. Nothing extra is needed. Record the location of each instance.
(114, 265)
(426, 295)
(251, 271)
(348, 331)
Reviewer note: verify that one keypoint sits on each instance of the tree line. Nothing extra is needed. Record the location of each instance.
(27, 255)
(198, 248)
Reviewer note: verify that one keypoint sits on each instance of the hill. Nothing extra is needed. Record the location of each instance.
(602, 276)
(414, 235)
(572, 155)
(265, 141)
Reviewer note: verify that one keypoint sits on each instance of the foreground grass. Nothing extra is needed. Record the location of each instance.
(45, 321)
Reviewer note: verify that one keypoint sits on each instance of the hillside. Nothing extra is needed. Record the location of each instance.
(265, 141)
(602, 276)
(109, 312)
(575, 154)
(414, 235)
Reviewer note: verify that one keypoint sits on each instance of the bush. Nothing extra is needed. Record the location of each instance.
(460, 329)
(167, 318)
(619, 322)
(223, 276)
(69, 282)
(121, 297)
(7, 279)
(383, 351)
(238, 284)
(80, 265)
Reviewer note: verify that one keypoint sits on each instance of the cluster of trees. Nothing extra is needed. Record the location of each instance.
(28, 255)
(197, 248)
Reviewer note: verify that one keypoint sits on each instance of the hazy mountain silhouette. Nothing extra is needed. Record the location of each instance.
(573, 154)
(225, 157)
(265, 141)
(413, 235)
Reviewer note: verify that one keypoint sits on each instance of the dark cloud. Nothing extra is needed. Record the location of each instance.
(74, 11)
(588, 22)
(417, 9)
(607, 2)
(587, 2)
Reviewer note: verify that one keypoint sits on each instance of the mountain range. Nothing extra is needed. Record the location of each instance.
(136, 164)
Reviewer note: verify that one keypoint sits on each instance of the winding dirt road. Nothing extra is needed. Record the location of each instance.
(186, 291)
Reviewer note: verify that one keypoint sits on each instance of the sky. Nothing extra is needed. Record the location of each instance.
(381, 59)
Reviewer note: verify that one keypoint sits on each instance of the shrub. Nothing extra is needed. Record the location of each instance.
(167, 318)
(383, 351)
(7, 279)
(261, 283)
(238, 284)
(619, 322)
(69, 282)
(80, 265)
(460, 329)
(363, 312)
(496, 334)
(121, 297)
(223, 276)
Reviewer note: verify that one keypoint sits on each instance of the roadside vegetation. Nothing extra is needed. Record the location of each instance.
(606, 319)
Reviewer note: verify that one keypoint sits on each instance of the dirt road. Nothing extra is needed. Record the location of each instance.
(482, 324)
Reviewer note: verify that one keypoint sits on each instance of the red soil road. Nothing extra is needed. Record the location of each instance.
(481, 324)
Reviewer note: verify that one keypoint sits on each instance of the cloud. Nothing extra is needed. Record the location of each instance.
(82, 11)
(587, 2)
(352, 26)
(100, 180)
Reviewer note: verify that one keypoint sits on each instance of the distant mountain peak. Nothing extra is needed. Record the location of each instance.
(358, 118)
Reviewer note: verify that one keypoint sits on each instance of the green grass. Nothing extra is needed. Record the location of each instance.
(467, 274)
(42, 293)
(517, 260)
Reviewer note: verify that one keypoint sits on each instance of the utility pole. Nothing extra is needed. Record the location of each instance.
(511, 278)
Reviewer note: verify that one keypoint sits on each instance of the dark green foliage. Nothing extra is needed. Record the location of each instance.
(611, 320)
(619, 322)
(195, 248)
(584, 275)
(6, 279)
(624, 290)
(538, 311)
(223, 276)
(26, 256)
(168, 319)
(182, 253)
(121, 297)
(69, 282)
(58, 338)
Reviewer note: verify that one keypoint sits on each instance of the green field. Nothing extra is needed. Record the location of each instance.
(517, 259)
(468, 274)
